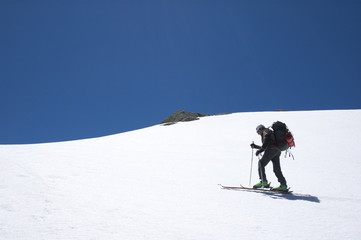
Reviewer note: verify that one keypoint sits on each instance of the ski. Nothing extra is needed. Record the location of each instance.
(289, 193)
(256, 189)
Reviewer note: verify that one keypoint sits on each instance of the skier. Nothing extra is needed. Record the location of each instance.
(271, 153)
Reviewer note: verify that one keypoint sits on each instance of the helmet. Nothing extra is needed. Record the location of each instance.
(259, 127)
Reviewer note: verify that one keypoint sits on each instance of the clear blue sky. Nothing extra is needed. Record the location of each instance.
(77, 69)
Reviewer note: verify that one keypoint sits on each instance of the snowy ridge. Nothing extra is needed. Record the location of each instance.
(162, 182)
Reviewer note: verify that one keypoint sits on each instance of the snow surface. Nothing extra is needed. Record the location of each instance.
(162, 182)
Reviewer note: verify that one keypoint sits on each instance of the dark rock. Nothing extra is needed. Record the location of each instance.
(182, 116)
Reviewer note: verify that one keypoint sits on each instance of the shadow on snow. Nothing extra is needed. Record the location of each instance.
(287, 196)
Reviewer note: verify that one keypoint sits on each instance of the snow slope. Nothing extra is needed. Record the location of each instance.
(161, 183)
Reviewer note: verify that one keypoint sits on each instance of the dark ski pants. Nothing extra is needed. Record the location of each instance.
(274, 156)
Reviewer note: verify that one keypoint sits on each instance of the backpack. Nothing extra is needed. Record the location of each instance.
(283, 137)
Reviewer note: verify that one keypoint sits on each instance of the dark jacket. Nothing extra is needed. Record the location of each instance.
(268, 140)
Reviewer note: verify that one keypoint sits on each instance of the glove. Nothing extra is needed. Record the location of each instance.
(259, 152)
(253, 145)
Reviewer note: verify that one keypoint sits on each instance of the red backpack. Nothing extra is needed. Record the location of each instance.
(284, 138)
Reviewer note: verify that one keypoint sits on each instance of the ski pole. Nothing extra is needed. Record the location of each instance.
(250, 174)
(260, 168)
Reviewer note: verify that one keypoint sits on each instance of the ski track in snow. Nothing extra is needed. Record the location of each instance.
(162, 182)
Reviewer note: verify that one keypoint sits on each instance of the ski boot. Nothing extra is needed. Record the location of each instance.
(262, 184)
(282, 188)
